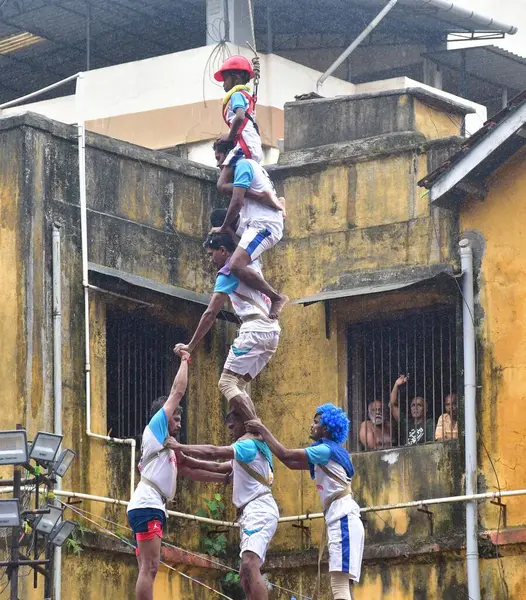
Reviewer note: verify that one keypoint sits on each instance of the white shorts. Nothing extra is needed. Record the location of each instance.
(257, 530)
(257, 239)
(346, 537)
(251, 351)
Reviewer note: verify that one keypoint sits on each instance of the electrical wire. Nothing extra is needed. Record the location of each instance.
(127, 543)
(190, 553)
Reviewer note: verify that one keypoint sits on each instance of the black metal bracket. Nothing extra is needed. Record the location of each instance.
(430, 515)
(306, 531)
(503, 511)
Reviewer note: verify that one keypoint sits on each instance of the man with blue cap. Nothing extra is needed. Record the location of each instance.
(331, 468)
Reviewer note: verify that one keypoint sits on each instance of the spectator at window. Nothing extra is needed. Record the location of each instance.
(447, 426)
(417, 429)
(376, 432)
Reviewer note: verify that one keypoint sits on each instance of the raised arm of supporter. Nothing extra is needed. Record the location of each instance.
(292, 458)
(179, 385)
(207, 320)
(393, 402)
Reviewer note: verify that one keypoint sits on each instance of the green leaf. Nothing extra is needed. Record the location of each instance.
(218, 497)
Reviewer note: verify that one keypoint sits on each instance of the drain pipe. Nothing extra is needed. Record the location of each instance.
(57, 381)
(470, 420)
(81, 134)
(346, 53)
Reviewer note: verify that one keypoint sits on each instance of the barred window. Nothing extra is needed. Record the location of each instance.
(421, 347)
(140, 367)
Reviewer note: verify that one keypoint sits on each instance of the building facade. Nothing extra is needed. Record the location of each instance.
(372, 266)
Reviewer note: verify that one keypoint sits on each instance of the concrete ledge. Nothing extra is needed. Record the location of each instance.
(108, 144)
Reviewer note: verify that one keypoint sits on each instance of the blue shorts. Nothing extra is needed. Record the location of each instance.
(147, 523)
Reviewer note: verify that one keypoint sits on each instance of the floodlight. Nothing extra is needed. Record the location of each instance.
(61, 532)
(13, 447)
(45, 447)
(10, 513)
(46, 522)
(63, 462)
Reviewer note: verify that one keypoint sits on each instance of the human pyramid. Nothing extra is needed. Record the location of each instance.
(252, 224)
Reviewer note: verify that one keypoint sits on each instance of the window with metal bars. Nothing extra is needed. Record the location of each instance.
(422, 348)
(140, 367)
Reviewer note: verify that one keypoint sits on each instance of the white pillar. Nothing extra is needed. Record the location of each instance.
(229, 20)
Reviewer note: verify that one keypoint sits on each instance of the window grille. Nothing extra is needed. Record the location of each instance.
(140, 367)
(422, 345)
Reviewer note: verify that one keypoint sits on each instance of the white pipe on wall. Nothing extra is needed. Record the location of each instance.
(57, 380)
(81, 132)
(470, 419)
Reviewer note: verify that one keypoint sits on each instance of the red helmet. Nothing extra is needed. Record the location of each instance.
(235, 63)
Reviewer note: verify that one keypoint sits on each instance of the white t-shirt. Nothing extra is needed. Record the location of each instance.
(251, 175)
(245, 488)
(162, 470)
(228, 283)
(326, 486)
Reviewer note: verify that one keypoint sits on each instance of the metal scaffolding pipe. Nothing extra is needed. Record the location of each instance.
(38, 92)
(346, 53)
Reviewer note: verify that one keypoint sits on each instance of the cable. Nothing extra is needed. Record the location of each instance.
(75, 510)
(189, 552)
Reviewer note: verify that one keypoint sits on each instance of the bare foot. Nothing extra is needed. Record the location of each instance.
(277, 306)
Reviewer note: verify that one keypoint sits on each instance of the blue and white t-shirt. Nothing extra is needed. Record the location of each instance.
(228, 283)
(326, 486)
(162, 471)
(249, 133)
(245, 488)
(251, 175)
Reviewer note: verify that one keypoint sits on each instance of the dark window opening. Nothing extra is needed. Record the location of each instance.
(140, 367)
(421, 346)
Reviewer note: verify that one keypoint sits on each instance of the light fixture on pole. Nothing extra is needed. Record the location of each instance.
(13, 447)
(45, 523)
(63, 462)
(61, 532)
(10, 513)
(45, 447)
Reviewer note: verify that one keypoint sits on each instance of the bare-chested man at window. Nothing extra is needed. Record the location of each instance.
(376, 432)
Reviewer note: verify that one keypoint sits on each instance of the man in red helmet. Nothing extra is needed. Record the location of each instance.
(239, 113)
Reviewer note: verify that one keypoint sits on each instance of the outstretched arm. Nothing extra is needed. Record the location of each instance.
(207, 320)
(393, 402)
(199, 470)
(293, 459)
(179, 386)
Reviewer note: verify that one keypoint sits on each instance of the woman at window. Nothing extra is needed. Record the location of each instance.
(415, 430)
(447, 426)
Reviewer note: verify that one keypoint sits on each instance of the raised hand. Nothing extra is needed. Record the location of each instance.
(402, 379)
(182, 350)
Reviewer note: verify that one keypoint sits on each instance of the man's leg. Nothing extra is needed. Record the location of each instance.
(239, 267)
(149, 557)
(250, 577)
(232, 386)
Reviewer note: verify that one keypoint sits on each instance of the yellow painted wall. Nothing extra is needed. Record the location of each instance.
(500, 218)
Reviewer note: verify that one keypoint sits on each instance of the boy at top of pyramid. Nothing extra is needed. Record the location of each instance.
(239, 113)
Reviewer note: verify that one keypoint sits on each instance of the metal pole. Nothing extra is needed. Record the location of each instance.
(390, 5)
(15, 535)
(88, 35)
(38, 92)
(56, 564)
(470, 420)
